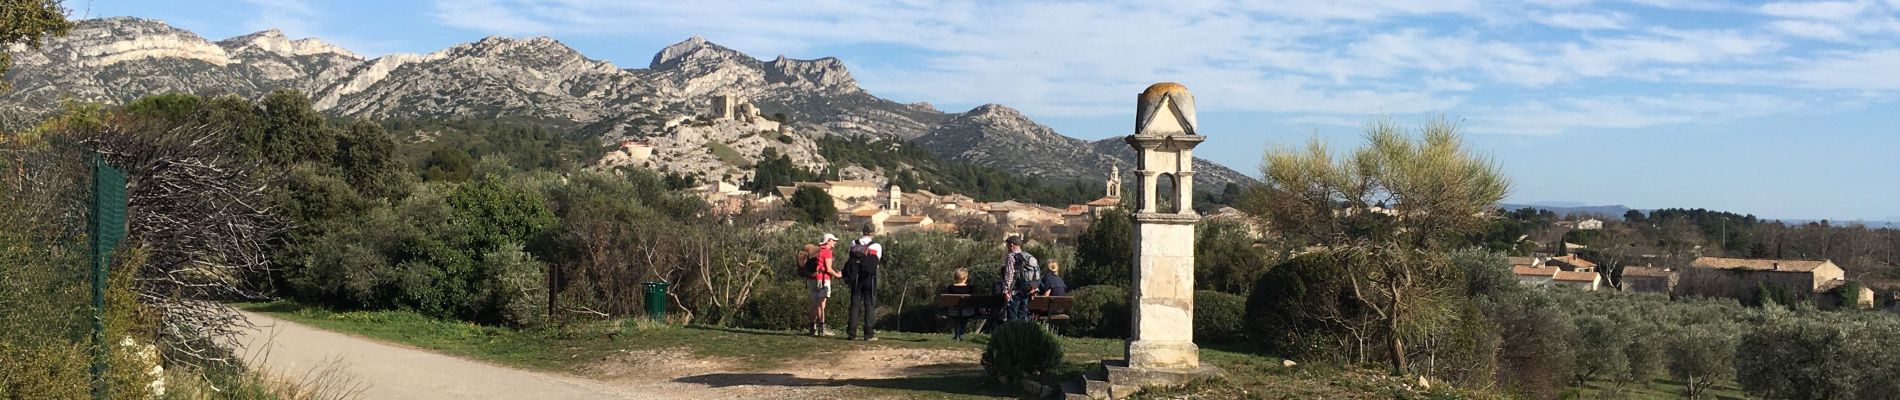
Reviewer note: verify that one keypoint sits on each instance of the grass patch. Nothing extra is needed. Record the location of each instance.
(1659, 389)
(567, 349)
(727, 154)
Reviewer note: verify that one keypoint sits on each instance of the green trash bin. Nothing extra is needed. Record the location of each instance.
(656, 299)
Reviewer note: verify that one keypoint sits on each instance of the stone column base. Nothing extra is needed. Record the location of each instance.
(1116, 380)
(1163, 355)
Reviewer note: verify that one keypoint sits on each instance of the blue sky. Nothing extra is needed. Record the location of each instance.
(1780, 109)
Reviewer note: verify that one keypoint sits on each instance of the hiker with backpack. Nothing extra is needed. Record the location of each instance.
(1021, 278)
(860, 276)
(815, 267)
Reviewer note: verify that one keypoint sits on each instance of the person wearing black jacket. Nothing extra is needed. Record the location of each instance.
(860, 270)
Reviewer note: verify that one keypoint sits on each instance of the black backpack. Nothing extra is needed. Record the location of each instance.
(859, 259)
(1028, 274)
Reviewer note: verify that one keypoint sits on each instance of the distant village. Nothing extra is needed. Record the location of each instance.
(888, 208)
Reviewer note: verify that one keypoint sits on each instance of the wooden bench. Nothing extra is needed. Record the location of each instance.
(1050, 308)
(966, 306)
(1041, 308)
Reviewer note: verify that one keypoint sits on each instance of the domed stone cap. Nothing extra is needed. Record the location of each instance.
(1169, 101)
(1155, 91)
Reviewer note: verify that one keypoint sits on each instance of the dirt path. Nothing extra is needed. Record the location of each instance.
(386, 371)
(390, 371)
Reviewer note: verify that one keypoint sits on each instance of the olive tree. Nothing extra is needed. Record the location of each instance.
(1392, 208)
(1701, 356)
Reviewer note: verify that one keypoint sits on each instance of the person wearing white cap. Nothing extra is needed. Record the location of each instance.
(820, 284)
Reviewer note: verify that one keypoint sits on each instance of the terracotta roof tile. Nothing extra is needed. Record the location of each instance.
(1757, 264)
(1535, 271)
(1647, 272)
(1573, 276)
(867, 184)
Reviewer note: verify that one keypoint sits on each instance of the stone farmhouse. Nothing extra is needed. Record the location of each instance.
(1550, 271)
(1746, 279)
(1586, 280)
(1647, 280)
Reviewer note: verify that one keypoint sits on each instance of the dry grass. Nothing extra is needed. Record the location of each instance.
(329, 381)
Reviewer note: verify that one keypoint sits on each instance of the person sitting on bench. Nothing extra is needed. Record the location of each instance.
(960, 317)
(1052, 284)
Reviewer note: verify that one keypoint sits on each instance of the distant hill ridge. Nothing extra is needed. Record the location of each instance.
(1565, 210)
(115, 60)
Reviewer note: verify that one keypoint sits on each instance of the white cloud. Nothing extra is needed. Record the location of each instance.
(290, 16)
(1810, 30)
(1300, 57)
(1847, 71)
(1444, 84)
(1326, 120)
(1583, 21)
(489, 17)
(1582, 114)
(1823, 10)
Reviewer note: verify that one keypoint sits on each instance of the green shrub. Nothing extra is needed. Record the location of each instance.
(786, 306)
(1105, 253)
(1534, 357)
(1297, 307)
(45, 371)
(1099, 311)
(781, 306)
(1218, 316)
(1019, 349)
(517, 285)
(727, 154)
(1225, 258)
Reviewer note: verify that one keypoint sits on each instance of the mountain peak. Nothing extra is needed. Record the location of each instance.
(693, 49)
(994, 110)
(824, 73)
(503, 46)
(274, 41)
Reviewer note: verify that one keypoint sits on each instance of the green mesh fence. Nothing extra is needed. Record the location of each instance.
(105, 227)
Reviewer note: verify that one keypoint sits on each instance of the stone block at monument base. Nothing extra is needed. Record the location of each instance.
(1163, 356)
(1114, 379)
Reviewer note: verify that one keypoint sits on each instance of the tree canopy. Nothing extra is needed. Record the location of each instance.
(1392, 208)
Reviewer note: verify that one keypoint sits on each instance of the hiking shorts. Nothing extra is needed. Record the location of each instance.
(820, 288)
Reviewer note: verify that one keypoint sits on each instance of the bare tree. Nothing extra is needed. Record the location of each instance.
(202, 216)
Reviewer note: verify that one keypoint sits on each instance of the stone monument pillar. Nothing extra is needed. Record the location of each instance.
(1161, 350)
(1163, 304)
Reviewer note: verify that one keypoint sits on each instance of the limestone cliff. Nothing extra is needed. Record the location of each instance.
(540, 79)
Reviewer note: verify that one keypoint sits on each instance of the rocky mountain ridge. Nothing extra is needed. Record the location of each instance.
(115, 60)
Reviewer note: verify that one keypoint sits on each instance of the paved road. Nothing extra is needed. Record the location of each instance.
(387, 371)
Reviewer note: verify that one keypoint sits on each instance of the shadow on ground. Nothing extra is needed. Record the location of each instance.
(951, 378)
